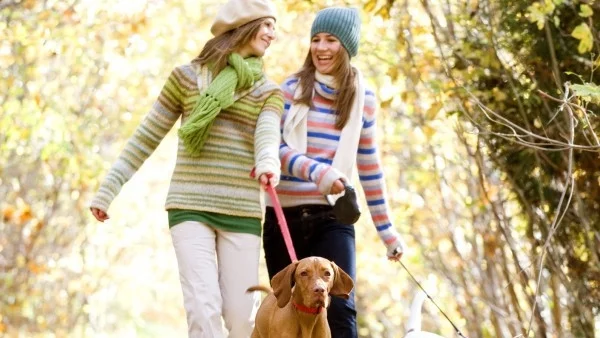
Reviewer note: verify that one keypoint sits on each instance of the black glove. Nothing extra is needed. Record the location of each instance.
(346, 209)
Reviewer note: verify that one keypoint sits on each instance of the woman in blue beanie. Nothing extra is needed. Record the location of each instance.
(328, 131)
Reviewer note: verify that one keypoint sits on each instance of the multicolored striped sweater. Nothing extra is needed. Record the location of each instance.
(303, 173)
(244, 136)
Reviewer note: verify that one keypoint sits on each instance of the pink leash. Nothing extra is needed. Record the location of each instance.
(280, 218)
(282, 222)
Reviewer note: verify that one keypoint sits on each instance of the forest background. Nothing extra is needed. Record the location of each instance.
(488, 133)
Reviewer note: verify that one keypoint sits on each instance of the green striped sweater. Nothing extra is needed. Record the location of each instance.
(244, 136)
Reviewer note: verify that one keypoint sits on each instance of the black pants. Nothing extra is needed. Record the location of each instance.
(315, 232)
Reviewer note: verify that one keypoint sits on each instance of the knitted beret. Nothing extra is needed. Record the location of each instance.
(236, 13)
(343, 23)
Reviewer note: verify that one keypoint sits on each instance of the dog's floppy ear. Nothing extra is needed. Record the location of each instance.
(282, 284)
(342, 283)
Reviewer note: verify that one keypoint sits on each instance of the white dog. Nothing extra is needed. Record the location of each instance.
(413, 327)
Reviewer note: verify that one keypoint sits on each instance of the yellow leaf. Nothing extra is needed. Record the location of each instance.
(36, 268)
(538, 11)
(384, 12)
(535, 15)
(386, 104)
(44, 15)
(498, 94)
(584, 35)
(393, 73)
(429, 132)
(433, 111)
(25, 214)
(586, 11)
(7, 212)
(29, 4)
(369, 6)
(548, 7)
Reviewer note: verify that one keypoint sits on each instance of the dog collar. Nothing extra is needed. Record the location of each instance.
(306, 309)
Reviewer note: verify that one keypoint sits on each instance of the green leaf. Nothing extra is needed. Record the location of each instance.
(575, 74)
(587, 91)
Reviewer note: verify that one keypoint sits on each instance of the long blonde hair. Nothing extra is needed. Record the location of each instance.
(343, 75)
(216, 50)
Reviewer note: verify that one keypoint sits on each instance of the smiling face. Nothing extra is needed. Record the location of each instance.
(261, 41)
(325, 50)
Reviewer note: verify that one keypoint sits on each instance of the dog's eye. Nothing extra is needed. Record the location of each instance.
(303, 273)
(328, 273)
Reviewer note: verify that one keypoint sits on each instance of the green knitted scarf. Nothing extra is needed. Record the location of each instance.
(239, 74)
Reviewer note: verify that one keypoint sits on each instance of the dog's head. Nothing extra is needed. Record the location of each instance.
(312, 279)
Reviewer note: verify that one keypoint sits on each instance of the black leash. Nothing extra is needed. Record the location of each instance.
(431, 299)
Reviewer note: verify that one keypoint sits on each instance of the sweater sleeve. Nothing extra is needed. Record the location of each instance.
(147, 136)
(372, 177)
(267, 137)
(297, 164)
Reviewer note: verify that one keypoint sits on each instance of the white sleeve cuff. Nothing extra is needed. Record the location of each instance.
(327, 181)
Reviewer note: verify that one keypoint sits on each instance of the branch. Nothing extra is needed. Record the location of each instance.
(560, 211)
(6, 3)
(519, 132)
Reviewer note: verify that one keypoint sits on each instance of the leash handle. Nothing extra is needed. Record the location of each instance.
(285, 231)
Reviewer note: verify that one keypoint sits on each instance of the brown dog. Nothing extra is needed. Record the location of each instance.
(297, 307)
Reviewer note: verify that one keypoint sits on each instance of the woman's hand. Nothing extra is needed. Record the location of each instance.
(99, 214)
(395, 250)
(266, 179)
(396, 254)
(337, 187)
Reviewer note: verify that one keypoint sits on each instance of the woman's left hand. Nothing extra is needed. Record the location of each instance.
(396, 250)
(395, 254)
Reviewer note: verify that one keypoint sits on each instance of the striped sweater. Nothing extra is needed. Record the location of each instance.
(244, 136)
(303, 174)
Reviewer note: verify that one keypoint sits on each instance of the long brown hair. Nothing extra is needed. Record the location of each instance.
(216, 50)
(343, 76)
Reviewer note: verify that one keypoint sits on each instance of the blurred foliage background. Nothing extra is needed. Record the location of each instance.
(488, 124)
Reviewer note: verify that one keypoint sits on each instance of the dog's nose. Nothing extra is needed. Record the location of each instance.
(319, 289)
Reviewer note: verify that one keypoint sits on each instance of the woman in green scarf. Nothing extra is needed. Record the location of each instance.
(230, 117)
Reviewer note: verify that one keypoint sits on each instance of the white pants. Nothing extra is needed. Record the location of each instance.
(215, 269)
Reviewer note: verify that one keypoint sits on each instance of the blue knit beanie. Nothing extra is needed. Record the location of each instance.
(343, 23)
